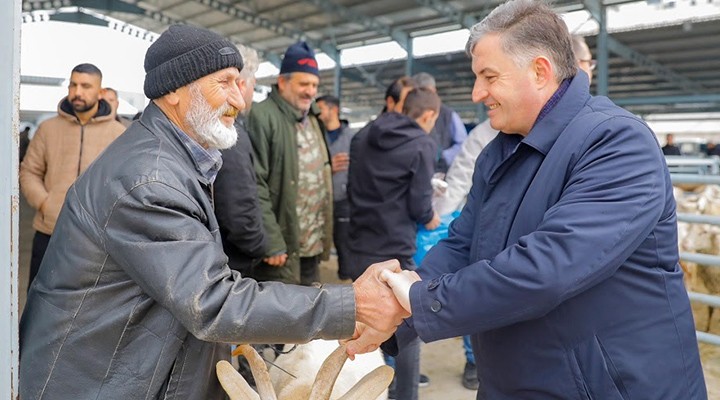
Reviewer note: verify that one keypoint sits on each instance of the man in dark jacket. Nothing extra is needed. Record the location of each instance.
(670, 148)
(134, 299)
(338, 137)
(389, 184)
(563, 265)
(236, 201)
(390, 194)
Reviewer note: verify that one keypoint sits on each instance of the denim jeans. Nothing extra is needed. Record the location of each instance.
(469, 356)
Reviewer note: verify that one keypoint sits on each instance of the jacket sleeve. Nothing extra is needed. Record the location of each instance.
(156, 234)
(459, 176)
(33, 169)
(612, 200)
(420, 192)
(260, 136)
(459, 134)
(236, 202)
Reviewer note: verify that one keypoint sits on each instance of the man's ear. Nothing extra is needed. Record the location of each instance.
(172, 98)
(427, 120)
(281, 82)
(542, 68)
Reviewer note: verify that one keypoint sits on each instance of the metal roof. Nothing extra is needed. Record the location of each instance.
(673, 68)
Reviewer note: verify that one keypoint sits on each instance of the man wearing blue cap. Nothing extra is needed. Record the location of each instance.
(293, 173)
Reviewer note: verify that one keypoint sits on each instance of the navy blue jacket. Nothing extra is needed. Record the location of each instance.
(391, 164)
(564, 264)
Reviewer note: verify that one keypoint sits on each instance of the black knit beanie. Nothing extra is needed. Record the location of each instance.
(184, 54)
(299, 58)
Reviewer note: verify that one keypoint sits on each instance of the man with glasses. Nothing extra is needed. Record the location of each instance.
(583, 56)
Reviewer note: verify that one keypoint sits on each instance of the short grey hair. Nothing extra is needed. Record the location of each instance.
(424, 80)
(580, 48)
(250, 61)
(528, 29)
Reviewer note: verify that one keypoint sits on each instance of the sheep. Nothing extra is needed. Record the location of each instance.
(369, 386)
(305, 360)
(703, 239)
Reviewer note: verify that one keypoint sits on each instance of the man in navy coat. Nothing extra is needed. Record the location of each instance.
(563, 265)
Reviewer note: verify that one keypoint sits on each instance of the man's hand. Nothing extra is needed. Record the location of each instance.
(375, 303)
(400, 283)
(434, 222)
(365, 340)
(277, 260)
(340, 162)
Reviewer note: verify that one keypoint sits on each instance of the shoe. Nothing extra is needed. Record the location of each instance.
(470, 379)
(424, 381)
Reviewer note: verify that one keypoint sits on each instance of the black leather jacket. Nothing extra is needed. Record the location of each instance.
(134, 299)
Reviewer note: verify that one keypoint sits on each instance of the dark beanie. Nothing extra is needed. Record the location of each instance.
(184, 54)
(299, 58)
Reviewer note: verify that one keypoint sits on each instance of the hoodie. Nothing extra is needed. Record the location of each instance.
(391, 164)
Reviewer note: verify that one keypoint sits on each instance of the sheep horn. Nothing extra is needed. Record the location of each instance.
(371, 385)
(259, 371)
(234, 384)
(328, 373)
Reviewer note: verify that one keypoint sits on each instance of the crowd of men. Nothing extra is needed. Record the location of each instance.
(203, 223)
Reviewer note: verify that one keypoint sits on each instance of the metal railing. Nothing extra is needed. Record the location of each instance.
(704, 259)
(693, 165)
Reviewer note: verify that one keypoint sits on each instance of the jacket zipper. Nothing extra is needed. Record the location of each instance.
(82, 135)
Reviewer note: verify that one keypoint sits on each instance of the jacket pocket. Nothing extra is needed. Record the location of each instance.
(51, 207)
(595, 374)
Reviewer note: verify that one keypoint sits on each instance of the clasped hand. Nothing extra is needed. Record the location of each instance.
(382, 298)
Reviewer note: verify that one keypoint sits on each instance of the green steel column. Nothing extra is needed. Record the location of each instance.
(337, 84)
(410, 58)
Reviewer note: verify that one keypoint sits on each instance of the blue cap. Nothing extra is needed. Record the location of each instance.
(299, 58)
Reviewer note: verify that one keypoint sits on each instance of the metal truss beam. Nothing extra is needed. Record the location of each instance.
(447, 10)
(596, 10)
(656, 68)
(373, 24)
(129, 6)
(276, 27)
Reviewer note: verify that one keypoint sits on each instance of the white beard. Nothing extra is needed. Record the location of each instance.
(206, 122)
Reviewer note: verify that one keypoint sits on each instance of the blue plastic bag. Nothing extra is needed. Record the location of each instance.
(427, 239)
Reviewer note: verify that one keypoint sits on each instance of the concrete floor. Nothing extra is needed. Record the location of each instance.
(442, 361)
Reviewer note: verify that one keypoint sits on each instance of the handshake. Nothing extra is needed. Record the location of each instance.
(382, 301)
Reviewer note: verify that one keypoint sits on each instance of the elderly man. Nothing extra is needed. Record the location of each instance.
(567, 247)
(449, 131)
(293, 173)
(135, 299)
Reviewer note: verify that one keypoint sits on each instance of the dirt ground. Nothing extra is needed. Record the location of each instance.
(442, 361)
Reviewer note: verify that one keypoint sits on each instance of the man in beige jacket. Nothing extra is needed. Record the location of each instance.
(62, 149)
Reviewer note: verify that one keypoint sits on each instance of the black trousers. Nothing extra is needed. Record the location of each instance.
(40, 244)
(341, 237)
(309, 270)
